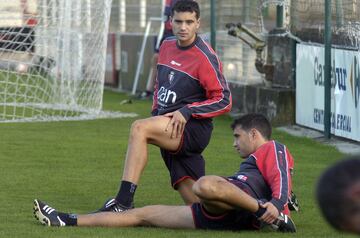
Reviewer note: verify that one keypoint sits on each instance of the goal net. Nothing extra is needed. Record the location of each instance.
(52, 59)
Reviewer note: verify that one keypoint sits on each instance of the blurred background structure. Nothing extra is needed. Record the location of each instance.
(262, 76)
(259, 49)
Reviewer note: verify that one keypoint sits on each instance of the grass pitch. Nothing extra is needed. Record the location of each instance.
(76, 166)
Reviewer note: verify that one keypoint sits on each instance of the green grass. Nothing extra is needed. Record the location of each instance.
(28, 90)
(75, 166)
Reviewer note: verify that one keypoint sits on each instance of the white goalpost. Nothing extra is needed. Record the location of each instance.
(52, 59)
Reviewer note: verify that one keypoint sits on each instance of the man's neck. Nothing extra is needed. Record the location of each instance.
(261, 142)
(186, 43)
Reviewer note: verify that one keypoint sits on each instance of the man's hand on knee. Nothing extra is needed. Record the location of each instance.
(176, 124)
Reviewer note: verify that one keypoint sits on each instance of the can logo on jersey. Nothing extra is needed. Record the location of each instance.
(171, 76)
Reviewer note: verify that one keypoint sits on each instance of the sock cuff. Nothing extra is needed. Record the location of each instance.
(126, 193)
(68, 219)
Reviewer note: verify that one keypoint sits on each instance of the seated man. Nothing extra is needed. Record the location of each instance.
(338, 194)
(255, 196)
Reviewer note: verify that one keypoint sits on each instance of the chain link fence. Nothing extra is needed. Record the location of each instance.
(307, 21)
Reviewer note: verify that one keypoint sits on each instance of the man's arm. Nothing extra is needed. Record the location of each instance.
(273, 163)
(218, 96)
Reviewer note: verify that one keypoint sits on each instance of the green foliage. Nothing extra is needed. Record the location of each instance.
(76, 166)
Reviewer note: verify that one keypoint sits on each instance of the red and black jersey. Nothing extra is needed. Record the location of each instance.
(268, 172)
(190, 79)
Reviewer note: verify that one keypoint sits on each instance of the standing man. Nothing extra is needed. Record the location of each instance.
(253, 197)
(190, 90)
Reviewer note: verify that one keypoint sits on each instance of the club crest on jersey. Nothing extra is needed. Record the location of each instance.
(171, 76)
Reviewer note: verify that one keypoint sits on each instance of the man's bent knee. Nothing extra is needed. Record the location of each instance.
(137, 127)
(207, 187)
(152, 130)
(141, 126)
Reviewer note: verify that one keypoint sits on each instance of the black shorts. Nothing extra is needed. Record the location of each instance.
(188, 162)
(232, 220)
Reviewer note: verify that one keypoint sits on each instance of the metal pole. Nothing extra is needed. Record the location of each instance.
(339, 13)
(327, 82)
(293, 44)
(279, 16)
(213, 23)
(293, 23)
(142, 51)
(141, 57)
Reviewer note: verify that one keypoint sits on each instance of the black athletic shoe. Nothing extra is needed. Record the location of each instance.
(293, 202)
(284, 224)
(112, 205)
(46, 215)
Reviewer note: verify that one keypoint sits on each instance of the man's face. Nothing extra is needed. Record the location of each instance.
(244, 141)
(184, 26)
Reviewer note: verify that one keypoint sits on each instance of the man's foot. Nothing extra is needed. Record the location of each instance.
(284, 224)
(112, 205)
(46, 215)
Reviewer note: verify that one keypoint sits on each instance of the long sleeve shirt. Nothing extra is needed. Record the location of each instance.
(190, 79)
(268, 172)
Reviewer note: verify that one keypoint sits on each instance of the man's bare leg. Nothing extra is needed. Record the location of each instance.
(154, 130)
(219, 196)
(157, 215)
(143, 132)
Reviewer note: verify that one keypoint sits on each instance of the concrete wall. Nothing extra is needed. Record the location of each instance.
(129, 56)
(278, 104)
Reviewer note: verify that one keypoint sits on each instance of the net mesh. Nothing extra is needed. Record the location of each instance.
(52, 59)
(307, 21)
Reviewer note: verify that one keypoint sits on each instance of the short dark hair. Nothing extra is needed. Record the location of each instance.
(186, 6)
(332, 188)
(254, 120)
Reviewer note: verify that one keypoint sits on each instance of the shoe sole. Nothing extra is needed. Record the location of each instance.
(39, 216)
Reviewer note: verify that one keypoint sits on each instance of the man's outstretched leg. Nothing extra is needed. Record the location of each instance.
(157, 215)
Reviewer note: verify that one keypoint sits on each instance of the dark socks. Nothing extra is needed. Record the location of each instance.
(69, 219)
(126, 193)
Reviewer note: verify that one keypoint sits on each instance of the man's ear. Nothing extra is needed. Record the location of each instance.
(254, 133)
